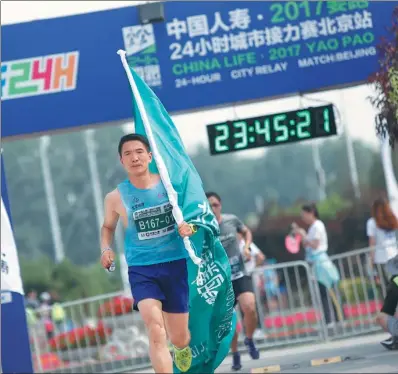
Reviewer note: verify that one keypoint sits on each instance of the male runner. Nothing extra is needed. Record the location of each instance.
(386, 318)
(230, 226)
(154, 252)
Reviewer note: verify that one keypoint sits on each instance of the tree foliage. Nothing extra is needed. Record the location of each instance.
(328, 208)
(67, 280)
(386, 84)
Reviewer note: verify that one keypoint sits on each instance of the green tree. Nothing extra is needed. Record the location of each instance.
(328, 208)
(69, 281)
(385, 81)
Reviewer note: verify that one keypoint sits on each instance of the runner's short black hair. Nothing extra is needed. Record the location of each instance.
(131, 137)
(213, 194)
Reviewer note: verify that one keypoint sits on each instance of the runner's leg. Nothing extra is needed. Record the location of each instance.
(149, 297)
(177, 329)
(234, 343)
(387, 312)
(247, 302)
(173, 278)
(151, 312)
(386, 318)
(236, 364)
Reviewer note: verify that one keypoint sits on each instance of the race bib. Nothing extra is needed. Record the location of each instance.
(236, 270)
(154, 222)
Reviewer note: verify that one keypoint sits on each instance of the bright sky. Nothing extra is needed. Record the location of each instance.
(353, 103)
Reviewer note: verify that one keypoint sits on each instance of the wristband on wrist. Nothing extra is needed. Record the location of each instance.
(106, 249)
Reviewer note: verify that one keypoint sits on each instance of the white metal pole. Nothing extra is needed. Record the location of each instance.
(352, 163)
(320, 173)
(316, 157)
(51, 201)
(94, 176)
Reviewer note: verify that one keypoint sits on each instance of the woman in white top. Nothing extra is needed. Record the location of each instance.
(315, 242)
(381, 230)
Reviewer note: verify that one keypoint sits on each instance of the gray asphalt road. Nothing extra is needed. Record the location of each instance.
(358, 355)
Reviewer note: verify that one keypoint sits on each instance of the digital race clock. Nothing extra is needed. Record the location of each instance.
(272, 129)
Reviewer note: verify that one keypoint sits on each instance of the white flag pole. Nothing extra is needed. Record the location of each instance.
(164, 175)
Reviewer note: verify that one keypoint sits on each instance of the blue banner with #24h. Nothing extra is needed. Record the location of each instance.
(204, 54)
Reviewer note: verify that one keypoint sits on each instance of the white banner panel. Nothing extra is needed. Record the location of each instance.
(10, 271)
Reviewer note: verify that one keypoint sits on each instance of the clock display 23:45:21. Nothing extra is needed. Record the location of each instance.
(273, 129)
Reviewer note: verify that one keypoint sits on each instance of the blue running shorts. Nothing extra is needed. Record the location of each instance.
(166, 282)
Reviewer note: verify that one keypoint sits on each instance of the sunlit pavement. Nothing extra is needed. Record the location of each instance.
(356, 355)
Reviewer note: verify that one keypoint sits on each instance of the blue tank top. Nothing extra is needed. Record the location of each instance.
(151, 235)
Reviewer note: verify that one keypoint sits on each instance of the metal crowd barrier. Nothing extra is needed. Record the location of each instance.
(96, 335)
(359, 293)
(104, 335)
(293, 313)
(287, 302)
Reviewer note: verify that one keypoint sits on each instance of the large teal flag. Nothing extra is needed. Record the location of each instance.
(212, 318)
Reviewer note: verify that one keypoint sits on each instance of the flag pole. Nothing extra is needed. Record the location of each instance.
(164, 175)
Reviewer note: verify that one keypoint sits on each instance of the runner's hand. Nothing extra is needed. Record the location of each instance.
(185, 230)
(107, 258)
(247, 253)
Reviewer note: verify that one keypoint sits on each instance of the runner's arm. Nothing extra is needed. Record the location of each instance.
(108, 230)
(247, 236)
(110, 221)
(298, 230)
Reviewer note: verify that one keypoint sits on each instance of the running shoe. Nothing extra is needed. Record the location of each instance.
(236, 365)
(182, 358)
(253, 351)
(390, 343)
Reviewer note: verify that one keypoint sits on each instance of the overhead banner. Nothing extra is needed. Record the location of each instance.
(64, 72)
